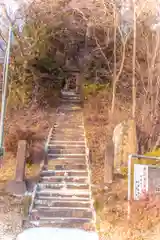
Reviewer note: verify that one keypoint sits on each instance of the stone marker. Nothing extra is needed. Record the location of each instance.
(17, 187)
(108, 164)
(125, 143)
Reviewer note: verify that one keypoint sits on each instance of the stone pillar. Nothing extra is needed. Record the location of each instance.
(108, 164)
(125, 143)
(78, 83)
(79, 87)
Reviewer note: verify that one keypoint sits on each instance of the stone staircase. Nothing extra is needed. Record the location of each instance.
(63, 197)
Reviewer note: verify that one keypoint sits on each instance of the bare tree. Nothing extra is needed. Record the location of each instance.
(134, 62)
(115, 62)
(117, 75)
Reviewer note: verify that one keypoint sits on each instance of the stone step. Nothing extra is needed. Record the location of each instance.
(70, 97)
(66, 155)
(65, 146)
(68, 185)
(66, 166)
(68, 126)
(89, 225)
(66, 150)
(73, 106)
(59, 146)
(68, 121)
(65, 178)
(78, 136)
(60, 137)
(62, 198)
(67, 136)
(69, 93)
(49, 208)
(62, 222)
(66, 173)
(68, 130)
(79, 124)
(64, 142)
(79, 159)
(61, 213)
(70, 100)
(52, 160)
(69, 110)
(78, 115)
(61, 203)
(70, 116)
(63, 124)
(64, 192)
(68, 163)
(65, 97)
(74, 118)
(70, 106)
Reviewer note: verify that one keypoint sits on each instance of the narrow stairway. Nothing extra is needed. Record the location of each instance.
(63, 197)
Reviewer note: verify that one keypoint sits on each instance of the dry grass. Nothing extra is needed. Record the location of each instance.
(31, 124)
(7, 172)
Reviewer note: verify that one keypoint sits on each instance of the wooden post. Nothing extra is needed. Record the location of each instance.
(81, 89)
(78, 83)
(17, 187)
(45, 165)
(108, 164)
(21, 160)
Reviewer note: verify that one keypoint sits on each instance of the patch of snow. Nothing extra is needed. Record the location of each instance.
(56, 234)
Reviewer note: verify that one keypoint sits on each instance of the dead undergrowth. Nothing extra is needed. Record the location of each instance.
(33, 125)
(111, 204)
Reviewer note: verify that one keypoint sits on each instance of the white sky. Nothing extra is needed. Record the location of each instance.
(11, 4)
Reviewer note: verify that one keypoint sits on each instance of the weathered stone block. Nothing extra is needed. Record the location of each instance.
(108, 164)
(16, 188)
(125, 143)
